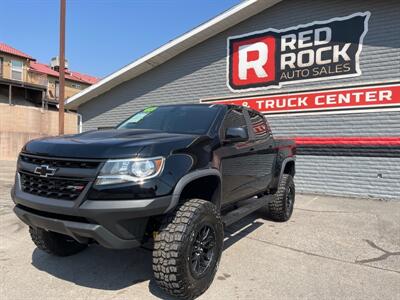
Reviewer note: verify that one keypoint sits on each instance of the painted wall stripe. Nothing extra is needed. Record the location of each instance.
(385, 141)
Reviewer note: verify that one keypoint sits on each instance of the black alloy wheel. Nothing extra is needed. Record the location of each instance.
(188, 248)
(281, 206)
(202, 251)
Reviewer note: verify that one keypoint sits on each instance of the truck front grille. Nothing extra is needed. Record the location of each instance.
(59, 163)
(57, 188)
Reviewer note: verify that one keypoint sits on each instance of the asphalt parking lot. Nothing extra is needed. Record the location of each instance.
(331, 248)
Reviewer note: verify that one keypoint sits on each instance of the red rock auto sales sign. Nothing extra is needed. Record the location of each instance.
(315, 101)
(311, 52)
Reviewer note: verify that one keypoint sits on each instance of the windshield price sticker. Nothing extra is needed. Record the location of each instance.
(139, 116)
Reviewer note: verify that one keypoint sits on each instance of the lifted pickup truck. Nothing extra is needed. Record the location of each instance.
(170, 175)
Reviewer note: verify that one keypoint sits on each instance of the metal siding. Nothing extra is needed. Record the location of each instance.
(350, 176)
(355, 124)
(200, 72)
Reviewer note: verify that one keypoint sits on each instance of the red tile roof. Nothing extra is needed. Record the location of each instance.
(10, 50)
(45, 69)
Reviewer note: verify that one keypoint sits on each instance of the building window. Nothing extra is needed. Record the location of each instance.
(76, 85)
(1, 67)
(16, 70)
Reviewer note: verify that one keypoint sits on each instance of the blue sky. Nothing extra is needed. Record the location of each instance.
(102, 35)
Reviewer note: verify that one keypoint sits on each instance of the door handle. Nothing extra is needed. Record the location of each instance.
(251, 149)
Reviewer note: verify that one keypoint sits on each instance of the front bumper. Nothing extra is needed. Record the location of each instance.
(115, 224)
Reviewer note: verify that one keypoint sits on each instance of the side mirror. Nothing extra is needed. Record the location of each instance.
(236, 134)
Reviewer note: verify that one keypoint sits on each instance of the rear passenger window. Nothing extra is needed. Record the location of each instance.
(259, 125)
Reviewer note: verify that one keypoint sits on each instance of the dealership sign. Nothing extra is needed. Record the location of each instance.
(311, 52)
(373, 96)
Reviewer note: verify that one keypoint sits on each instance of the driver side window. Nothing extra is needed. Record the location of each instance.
(234, 118)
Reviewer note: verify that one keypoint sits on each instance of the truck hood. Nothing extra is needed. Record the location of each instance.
(105, 144)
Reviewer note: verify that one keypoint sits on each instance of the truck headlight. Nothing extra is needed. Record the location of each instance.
(128, 170)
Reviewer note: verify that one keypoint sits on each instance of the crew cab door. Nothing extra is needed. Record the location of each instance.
(235, 160)
(262, 142)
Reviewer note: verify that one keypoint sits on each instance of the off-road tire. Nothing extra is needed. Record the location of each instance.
(173, 249)
(55, 243)
(279, 209)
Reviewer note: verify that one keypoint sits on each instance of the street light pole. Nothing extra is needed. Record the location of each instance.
(61, 69)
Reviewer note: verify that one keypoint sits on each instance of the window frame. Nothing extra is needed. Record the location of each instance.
(19, 69)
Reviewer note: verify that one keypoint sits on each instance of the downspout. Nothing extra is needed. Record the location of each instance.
(79, 122)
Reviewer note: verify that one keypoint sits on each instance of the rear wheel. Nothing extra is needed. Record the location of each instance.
(55, 243)
(188, 248)
(281, 207)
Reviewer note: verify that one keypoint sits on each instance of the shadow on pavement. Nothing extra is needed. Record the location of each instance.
(241, 229)
(107, 269)
(98, 267)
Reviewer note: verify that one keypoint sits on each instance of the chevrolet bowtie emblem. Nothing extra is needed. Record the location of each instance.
(44, 171)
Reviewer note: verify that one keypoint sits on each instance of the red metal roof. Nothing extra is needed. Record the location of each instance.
(84, 77)
(70, 75)
(45, 69)
(10, 50)
(42, 68)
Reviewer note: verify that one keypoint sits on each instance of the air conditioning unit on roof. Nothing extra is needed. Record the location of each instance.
(55, 63)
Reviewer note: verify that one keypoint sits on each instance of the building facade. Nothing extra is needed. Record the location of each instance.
(24, 81)
(326, 73)
(29, 98)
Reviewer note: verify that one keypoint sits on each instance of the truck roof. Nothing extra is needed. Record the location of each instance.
(202, 104)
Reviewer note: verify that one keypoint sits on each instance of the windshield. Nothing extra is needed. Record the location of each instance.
(195, 119)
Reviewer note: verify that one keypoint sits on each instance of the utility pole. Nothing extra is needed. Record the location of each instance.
(61, 69)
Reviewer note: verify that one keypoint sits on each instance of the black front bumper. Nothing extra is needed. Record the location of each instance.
(116, 224)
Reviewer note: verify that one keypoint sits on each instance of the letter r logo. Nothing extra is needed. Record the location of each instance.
(251, 61)
(246, 62)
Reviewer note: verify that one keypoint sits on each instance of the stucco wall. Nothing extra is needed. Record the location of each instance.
(70, 87)
(19, 124)
(6, 71)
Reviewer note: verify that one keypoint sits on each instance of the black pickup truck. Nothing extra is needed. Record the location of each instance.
(171, 176)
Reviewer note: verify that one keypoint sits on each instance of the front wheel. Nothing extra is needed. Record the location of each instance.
(281, 207)
(188, 248)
